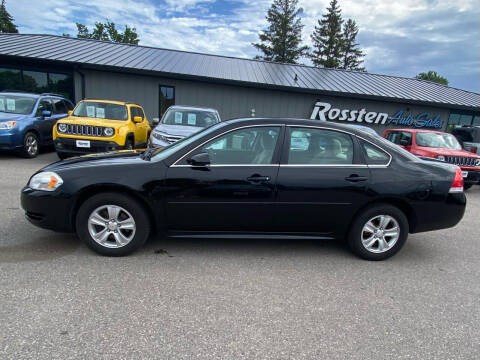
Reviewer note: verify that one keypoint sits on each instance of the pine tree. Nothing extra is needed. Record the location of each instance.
(281, 41)
(327, 38)
(6, 21)
(352, 56)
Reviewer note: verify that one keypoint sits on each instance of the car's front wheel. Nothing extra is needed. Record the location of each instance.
(31, 147)
(112, 224)
(378, 232)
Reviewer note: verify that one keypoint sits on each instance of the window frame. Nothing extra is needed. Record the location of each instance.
(358, 159)
(182, 160)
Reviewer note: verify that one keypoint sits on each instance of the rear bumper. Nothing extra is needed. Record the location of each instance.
(68, 146)
(446, 214)
(48, 210)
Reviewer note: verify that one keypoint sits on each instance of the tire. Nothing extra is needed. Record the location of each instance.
(129, 144)
(467, 186)
(62, 155)
(116, 241)
(31, 146)
(377, 245)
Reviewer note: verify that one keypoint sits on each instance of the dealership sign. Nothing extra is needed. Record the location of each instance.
(325, 111)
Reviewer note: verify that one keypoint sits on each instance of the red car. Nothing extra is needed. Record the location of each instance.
(438, 145)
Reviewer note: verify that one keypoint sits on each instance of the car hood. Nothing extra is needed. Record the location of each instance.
(8, 116)
(448, 152)
(123, 157)
(77, 120)
(178, 130)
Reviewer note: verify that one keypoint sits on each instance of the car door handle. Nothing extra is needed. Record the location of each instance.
(258, 178)
(356, 178)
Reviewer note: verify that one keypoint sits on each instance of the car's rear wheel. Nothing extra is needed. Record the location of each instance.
(112, 224)
(31, 147)
(378, 232)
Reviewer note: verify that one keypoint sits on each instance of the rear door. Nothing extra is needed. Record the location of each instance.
(236, 193)
(322, 180)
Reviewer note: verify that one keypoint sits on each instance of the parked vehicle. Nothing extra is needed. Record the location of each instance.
(244, 179)
(365, 128)
(26, 120)
(438, 145)
(100, 126)
(469, 138)
(181, 121)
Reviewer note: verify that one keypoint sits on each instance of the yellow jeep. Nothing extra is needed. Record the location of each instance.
(99, 126)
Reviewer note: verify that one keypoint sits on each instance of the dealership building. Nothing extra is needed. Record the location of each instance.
(157, 78)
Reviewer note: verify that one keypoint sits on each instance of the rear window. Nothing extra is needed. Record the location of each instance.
(101, 110)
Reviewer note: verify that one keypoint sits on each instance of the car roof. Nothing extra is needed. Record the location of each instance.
(110, 101)
(417, 130)
(18, 93)
(186, 107)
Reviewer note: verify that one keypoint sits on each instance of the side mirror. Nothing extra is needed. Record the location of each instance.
(155, 121)
(46, 113)
(70, 112)
(202, 159)
(137, 119)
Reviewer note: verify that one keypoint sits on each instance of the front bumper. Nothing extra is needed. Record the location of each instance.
(473, 177)
(9, 140)
(68, 146)
(48, 210)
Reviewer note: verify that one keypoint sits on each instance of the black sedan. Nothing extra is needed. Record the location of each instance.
(251, 178)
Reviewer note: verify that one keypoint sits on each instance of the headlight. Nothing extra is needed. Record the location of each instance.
(62, 128)
(441, 157)
(7, 125)
(108, 131)
(46, 181)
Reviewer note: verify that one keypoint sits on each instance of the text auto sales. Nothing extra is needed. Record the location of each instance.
(324, 111)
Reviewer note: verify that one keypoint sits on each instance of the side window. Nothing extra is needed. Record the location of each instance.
(254, 145)
(44, 104)
(60, 107)
(140, 113)
(69, 105)
(400, 138)
(374, 155)
(319, 147)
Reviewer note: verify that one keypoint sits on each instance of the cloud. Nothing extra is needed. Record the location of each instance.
(400, 37)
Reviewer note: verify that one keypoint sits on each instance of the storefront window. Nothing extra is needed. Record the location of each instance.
(10, 79)
(476, 120)
(36, 81)
(463, 118)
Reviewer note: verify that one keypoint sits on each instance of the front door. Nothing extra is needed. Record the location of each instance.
(321, 181)
(236, 192)
(45, 123)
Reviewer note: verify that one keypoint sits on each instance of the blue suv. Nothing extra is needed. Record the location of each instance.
(26, 120)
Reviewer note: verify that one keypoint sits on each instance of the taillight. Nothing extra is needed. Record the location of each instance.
(457, 184)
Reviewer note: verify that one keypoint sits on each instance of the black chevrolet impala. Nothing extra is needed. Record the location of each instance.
(251, 178)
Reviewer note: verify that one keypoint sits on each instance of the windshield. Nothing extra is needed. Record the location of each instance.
(101, 110)
(446, 141)
(14, 104)
(162, 153)
(190, 117)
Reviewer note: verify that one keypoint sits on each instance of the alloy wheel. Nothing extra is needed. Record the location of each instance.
(31, 144)
(380, 233)
(111, 226)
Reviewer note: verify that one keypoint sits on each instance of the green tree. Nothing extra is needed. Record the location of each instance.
(6, 20)
(432, 76)
(352, 56)
(281, 41)
(327, 38)
(108, 32)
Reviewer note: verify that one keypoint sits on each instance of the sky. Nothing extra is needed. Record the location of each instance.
(400, 37)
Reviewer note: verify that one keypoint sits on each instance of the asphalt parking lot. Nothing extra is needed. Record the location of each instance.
(233, 299)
